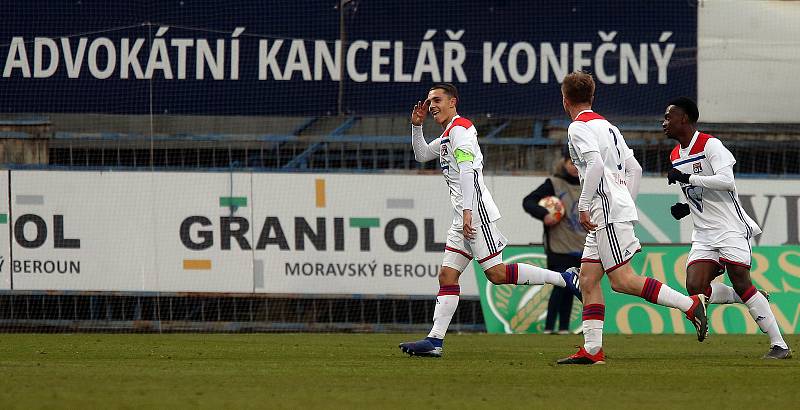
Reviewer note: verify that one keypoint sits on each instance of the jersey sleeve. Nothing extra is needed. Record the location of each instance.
(424, 151)
(718, 155)
(460, 139)
(582, 139)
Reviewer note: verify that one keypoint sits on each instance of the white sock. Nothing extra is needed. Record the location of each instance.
(592, 336)
(524, 274)
(762, 313)
(593, 317)
(446, 304)
(723, 294)
(661, 294)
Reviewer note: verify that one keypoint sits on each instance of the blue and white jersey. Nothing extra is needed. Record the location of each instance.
(717, 215)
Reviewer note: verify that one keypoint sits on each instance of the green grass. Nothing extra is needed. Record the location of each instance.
(368, 371)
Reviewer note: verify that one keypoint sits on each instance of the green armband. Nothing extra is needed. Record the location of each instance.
(463, 156)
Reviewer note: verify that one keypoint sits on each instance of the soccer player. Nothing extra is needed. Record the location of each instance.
(722, 230)
(473, 233)
(610, 178)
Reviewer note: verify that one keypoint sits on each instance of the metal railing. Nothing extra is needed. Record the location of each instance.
(368, 154)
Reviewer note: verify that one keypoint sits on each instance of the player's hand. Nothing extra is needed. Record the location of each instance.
(469, 231)
(679, 210)
(586, 221)
(550, 220)
(419, 112)
(674, 175)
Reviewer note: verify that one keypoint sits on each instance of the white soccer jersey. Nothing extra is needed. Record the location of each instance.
(717, 215)
(460, 133)
(611, 202)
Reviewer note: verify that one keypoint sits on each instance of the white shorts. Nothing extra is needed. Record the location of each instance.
(487, 247)
(734, 251)
(612, 246)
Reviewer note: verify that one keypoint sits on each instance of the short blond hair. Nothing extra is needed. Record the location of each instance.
(578, 87)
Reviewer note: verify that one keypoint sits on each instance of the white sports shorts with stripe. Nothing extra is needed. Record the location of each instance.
(734, 250)
(487, 247)
(612, 245)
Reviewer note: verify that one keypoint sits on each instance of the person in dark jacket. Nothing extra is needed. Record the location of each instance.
(563, 239)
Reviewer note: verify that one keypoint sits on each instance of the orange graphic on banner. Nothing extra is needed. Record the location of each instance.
(320, 185)
(197, 264)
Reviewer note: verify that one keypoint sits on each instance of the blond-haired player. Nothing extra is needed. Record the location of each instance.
(610, 177)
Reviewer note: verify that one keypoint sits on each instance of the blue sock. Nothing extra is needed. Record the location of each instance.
(436, 342)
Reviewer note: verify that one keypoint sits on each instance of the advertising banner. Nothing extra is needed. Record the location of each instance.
(122, 231)
(522, 309)
(350, 234)
(245, 57)
(221, 232)
(284, 233)
(773, 203)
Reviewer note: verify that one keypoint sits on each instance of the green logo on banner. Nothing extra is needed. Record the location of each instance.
(518, 309)
(522, 309)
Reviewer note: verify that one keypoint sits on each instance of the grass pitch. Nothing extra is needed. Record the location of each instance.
(369, 371)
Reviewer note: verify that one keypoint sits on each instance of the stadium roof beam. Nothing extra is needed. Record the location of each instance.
(304, 125)
(493, 133)
(301, 160)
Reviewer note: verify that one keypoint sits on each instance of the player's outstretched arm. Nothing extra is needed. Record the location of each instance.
(423, 151)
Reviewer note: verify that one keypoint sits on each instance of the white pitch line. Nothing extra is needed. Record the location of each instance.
(652, 228)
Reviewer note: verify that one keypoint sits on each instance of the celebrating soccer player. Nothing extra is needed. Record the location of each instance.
(610, 177)
(473, 233)
(722, 230)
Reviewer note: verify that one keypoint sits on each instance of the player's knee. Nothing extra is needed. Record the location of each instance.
(740, 280)
(590, 287)
(447, 278)
(617, 283)
(622, 283)
(618, 286)
(695, 287)
(495, 276)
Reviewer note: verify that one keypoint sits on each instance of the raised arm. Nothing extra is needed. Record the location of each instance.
(423, 151)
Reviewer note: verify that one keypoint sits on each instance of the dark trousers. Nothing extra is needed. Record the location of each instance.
(560, 304)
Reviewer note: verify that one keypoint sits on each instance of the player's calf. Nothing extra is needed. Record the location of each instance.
(523, 274)
(694, 307)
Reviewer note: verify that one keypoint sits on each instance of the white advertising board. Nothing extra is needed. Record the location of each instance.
(384, 234)
(282, 233)
(120, 231)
